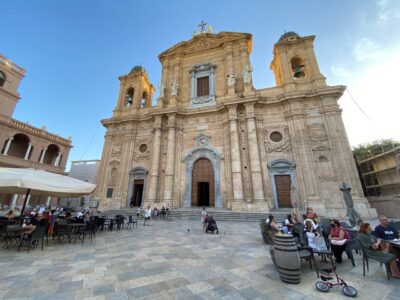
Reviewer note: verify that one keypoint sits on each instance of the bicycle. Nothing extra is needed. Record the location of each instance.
(325, 285)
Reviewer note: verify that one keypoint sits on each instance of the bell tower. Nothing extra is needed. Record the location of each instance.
(295, 63)
(10, 77)
(136, 91)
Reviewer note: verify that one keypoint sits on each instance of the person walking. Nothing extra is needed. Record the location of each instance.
(147, 215)
(203, 217)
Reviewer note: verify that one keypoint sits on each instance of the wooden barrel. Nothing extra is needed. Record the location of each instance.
(287, 258)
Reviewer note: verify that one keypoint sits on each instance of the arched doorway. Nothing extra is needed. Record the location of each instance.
(137, 185)
(203, 183)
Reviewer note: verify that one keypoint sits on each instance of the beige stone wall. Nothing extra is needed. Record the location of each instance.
(305, 112)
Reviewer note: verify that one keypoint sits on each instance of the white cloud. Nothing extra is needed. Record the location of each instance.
(388, 10)
(340, 72)
(365, 49)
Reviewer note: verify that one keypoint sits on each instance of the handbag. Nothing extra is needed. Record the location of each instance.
(338, 242)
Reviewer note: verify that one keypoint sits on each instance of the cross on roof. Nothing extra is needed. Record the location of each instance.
(202, 25)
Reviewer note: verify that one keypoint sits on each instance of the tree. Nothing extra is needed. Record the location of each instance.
(363, 151)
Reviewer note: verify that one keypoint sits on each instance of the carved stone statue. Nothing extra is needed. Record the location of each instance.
(162, 89)
(247, 74)
(231, 79)
(174, 88)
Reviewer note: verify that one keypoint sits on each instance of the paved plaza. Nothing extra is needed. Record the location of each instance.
(171, 260)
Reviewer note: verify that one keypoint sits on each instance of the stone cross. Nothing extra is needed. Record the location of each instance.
(202, 25)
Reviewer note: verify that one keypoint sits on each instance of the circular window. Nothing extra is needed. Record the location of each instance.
(276, 136)
(143, 148)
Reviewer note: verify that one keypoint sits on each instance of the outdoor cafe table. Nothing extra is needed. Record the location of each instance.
(394, 243)
(72, 228)
(13, 232)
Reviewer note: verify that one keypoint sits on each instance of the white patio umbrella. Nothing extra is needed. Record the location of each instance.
(40, 182)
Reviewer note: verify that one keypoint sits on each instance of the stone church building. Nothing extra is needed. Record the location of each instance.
(215, 140)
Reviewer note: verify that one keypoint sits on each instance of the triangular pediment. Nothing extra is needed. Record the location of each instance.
(206, 41)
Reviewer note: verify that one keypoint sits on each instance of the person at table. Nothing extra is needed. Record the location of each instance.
(10, 215)
(311, 215)
(373, 249)
(338, 238)
(289, 223)
(384, 231)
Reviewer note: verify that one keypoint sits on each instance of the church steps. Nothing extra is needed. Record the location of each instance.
(218, 214)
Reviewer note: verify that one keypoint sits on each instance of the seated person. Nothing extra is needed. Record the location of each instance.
(272, 228)
(373, 249)
(384, 231)
(311, 215)
(288, 224)
(310, 232)
(155, 212)
(10, 215)
(163, 211)
(338, 238)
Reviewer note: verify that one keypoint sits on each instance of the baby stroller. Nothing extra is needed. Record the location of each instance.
(211, 225)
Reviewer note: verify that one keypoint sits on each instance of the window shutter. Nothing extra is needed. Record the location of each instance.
(203, 86)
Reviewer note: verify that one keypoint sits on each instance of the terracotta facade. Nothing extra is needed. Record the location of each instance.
(248, 135)
(23, 145)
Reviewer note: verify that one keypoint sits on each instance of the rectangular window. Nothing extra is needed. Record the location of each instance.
(203, 86)
(109, 192)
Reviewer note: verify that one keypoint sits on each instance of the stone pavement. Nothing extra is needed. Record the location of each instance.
(171, 260)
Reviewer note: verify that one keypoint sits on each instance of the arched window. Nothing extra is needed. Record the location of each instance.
(297, 65)
(19, 145)
(2, 78)
(143, 100)
(51, 154)
(129, 97)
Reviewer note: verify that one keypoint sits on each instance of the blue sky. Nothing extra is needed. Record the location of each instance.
(73, 52)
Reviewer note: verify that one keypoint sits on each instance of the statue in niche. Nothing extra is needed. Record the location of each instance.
(247, 74)
(174, 88)
(113, 177)
(231, 79)
(162, 89)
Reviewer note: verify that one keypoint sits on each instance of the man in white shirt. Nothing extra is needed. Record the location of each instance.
(147, 215)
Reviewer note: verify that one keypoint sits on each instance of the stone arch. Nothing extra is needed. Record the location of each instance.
(19, 145)
(130, 92)
(51, 154)
(298, 67)
(203, 180)
(137, 180)
(202, 151)
(2, 78)
(279, 167)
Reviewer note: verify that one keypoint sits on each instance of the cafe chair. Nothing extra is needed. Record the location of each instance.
(33, 241)
(366, 263)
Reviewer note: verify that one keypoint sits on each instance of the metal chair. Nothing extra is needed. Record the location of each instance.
(32, 241)
(365, 262)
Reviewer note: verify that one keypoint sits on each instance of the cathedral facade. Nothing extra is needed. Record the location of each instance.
(214, 140)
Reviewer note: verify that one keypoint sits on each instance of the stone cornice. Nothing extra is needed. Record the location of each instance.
(29, 129)
(204, 42)
(332, 91)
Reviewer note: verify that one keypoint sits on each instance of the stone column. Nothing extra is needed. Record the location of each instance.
(237, 180)
(57, 162)
(8, 146)
(255, 168)
(28, 151)
(42, 156)
(155, 164)
(14, 201)
(170, 163)
(48, 201)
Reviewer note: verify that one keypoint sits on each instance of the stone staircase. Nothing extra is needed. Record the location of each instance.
(218, 214)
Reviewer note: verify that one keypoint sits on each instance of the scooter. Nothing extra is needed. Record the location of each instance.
(326, 284)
